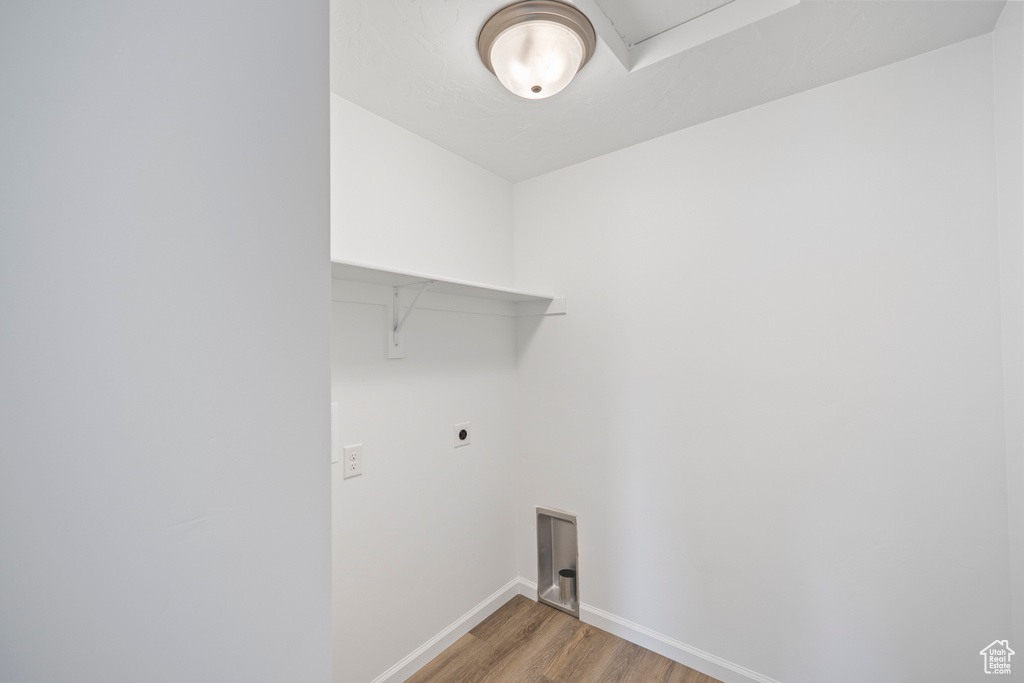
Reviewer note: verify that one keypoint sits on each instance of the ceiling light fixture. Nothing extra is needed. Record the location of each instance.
(535, 47)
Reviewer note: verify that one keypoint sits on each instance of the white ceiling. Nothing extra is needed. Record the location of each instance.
(414, 62)
(636, 21)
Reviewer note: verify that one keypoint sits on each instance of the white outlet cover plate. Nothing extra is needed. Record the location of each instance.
(458, 428)
(352, 460)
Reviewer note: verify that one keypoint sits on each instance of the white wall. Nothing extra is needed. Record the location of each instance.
(427, 531)
(1008, 62)
(164, 495)
(776, 403)
(401, 201)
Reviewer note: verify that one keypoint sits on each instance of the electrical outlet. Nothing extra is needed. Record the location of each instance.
(352, 459)
(462, 434)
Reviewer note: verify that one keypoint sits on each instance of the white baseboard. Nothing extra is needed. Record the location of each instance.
(419, 658)
(697, 659)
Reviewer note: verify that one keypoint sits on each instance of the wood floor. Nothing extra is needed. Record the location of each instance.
(527, 642)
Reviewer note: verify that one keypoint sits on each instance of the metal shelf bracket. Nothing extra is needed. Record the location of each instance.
(396, 345)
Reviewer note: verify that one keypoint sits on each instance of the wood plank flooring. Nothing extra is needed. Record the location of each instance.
(527, 642)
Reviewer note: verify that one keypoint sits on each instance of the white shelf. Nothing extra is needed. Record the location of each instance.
(391, 277)
(363, 283)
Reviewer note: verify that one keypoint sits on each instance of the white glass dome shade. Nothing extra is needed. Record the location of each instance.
(535, 48)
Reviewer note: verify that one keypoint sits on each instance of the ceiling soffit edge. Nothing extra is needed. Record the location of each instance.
(697, 31)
